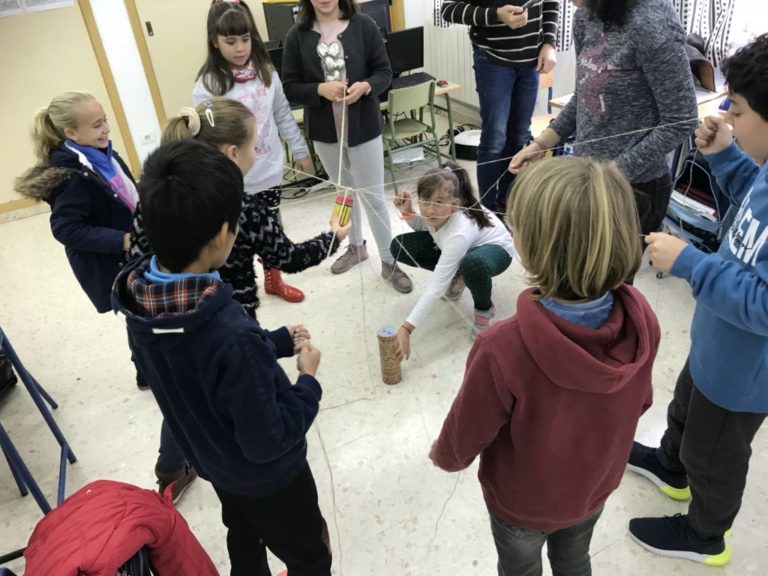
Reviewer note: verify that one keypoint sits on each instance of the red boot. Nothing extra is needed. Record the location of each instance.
(273, 284)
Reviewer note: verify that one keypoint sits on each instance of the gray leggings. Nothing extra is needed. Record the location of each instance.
(362, 170)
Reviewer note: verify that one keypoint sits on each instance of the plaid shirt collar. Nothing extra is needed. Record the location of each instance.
(182, 296)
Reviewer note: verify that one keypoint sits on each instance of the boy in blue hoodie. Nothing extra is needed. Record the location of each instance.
(721, 396)
(214, 370)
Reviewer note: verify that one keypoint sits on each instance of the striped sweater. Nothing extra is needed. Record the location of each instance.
(517, 48)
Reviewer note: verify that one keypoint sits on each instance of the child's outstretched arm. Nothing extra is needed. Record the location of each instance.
(482, 407)
(264, 236)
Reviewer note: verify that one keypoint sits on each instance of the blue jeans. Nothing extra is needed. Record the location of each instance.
(519, 549)
(507, 100)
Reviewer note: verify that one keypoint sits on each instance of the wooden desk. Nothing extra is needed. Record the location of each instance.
(446, 91)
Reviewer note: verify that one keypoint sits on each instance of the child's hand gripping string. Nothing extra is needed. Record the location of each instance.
(404, 203)
(663, 250)
(308, 359)
(300, 336)
(713, 135)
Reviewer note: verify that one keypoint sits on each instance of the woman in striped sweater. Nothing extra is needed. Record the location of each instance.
(511, 46)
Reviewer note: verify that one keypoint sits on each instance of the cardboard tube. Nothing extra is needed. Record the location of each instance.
(390, 365)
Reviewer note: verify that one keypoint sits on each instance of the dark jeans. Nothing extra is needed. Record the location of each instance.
(289, 523)
(713, 446)
(519, 549)
(507, 100)
(652, 199)
(478, 266)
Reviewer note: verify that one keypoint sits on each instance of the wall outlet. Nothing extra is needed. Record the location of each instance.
(148, 137)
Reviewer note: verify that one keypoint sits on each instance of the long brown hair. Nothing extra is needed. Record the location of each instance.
(455, 176)
(232, 19)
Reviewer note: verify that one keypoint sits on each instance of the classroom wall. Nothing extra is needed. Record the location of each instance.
(52, 53)
(125, 62)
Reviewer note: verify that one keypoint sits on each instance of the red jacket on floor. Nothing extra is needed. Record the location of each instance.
(101, 526)
(552, 407)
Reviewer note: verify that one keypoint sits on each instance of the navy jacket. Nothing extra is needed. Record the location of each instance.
(366, 59)
(231, 407)
(90, 220)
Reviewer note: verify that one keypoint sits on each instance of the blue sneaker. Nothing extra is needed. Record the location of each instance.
(671, 536)
(643, 461)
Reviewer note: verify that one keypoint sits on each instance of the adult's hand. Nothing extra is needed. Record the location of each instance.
(513, 16)
(547, 59)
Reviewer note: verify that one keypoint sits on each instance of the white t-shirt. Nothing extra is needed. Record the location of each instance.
(273, 119)
(455, 238)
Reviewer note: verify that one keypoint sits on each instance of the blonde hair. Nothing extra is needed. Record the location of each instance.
(217, 121)
(576, 227)
(50, 122)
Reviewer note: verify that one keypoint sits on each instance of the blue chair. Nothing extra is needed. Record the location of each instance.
(21, 474)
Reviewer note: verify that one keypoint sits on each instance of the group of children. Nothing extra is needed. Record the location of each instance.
(551, 397)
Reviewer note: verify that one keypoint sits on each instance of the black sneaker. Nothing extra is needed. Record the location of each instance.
(141, 384)
(671, 536)
(179, 481)
(644, 461)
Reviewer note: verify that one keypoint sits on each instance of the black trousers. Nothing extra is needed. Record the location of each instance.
(713, 446)
(652, 199)
(289, 523)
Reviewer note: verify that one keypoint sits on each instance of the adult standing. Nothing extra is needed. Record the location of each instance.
(634, 101)
(511, 45)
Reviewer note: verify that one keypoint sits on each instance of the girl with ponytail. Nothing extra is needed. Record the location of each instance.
(231, 127)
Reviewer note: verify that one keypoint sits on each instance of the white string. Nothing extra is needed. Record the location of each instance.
(341, 164)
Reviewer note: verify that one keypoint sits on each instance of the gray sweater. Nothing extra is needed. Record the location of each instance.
(630, 78)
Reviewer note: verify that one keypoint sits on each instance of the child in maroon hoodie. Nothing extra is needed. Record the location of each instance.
(552, 396)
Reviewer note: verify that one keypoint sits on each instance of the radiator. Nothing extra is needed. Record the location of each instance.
(448, 56)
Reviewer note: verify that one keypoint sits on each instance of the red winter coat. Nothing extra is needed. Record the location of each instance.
(101, 526)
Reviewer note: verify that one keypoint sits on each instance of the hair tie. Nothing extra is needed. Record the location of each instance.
(192, 119)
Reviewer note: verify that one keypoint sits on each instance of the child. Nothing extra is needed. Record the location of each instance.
(353, 72)
(551, 397)
(721, 396)
(90, 189)
(93, 198)
(215, 371)
(459, 239)
(229, 126)
(239, 67)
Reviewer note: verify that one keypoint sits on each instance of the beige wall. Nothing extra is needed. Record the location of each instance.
(43, 54)
(178, 46)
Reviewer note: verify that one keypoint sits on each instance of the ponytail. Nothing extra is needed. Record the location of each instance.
(49, 123)
(453, 175)
(217, 121)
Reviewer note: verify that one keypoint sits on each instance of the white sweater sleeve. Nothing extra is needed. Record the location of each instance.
(454, 249)
(286, 123)
(199, 93)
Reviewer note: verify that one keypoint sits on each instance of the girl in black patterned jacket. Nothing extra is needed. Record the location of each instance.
(231, 127)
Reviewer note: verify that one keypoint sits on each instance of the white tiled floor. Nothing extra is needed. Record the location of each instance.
(390, 511)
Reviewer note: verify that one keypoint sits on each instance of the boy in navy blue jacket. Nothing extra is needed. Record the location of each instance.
(721, 397)
(214, 370)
